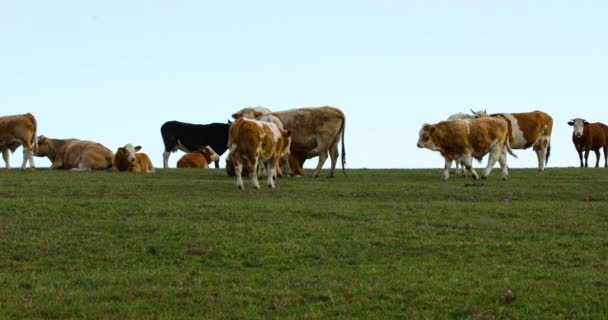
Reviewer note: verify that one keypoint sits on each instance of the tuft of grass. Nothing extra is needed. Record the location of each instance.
(378, 244)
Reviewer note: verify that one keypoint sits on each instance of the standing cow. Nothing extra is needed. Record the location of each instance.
(590, 136)
(460, 170)
(15, 131)
(529, 129)
(465, 140)
(252, 141)
(315, 132)
(189, 137)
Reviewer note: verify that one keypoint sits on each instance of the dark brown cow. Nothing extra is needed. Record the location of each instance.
(464, 140)
(590, 136)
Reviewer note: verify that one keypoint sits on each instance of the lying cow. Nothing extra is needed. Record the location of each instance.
(198, 159)
(15, 131)
(74, 154)
(465, 140)
(315, 132)
(127, 159)
(590, 136)
(253, 140)
(529, 129)
(189, 137)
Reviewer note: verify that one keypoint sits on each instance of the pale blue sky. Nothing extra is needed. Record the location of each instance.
(114, 71)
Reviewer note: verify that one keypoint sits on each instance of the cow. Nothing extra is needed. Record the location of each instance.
(251, 113)
(464, 140)
(315, 132)
(15, 131)
(252, 140)
(590, 136)
(189, 137)
(528, 129)
(460, 170)
(199, 159)
(128, 159)
(74, 154)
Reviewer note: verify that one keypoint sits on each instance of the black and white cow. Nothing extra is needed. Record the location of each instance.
(189, 137)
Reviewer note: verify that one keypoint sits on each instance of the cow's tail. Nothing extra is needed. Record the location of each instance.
(233, 133)
(548, 153)
(508, 146)
(343, 155)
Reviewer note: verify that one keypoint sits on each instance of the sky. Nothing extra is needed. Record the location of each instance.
(115, 71)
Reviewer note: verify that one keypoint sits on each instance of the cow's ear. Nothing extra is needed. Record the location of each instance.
(570, 123)
(585, 122)
(258, 114)
(287, 133)
(41, 139)
(229, 122)
(137, 148)
(236, 116)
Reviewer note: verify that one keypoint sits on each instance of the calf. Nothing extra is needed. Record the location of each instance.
(465, 140)
(590, 136)
(15, 131)
(189, 137)
(127, 159)
(199, 159)
(251, 141)
(74, 154)
(528, 129)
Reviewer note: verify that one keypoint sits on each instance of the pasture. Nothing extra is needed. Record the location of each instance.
(377, 244)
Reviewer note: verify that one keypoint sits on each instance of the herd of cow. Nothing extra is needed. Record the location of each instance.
(262, 142)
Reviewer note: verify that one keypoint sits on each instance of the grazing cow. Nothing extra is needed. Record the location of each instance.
(15, 131)
(74, 154)
(590, 136)
(253, 140)
(464, 140)
(189, 137)
(529, 129)
(199, 159)
(127, 159)
(315, 132)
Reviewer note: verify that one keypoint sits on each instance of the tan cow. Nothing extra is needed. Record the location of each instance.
(528, 129)
(128, 159)
(74, 154)
(198, 159)
(15, 131)
(315, 132)
(253, 140)
(464, 140)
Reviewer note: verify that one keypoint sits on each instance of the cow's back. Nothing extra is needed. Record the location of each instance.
(93, 155)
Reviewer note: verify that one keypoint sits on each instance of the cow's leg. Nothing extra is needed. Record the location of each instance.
(270, 171)
(467, 161)
(238, 170)
(28, 153)
(580, 155)
(504, 174)
(587, 158)
(597, 158)
(605, 158)
(457, 169)
(217, 164)
(447, 167)
(334, 153)
(493, 156)
(253, 171)
(166, 159)
(540, 154)
(5, 156)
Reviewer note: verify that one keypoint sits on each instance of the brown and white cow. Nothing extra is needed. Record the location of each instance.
(464, 140)
(251, 141)
(528, 129)
(460, 170)
(128, 159)
(590, 136)
(74, 154)
(315, 132)
(198, 159)
(15, 131)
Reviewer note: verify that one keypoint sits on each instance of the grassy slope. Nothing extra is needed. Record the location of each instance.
(376, 244)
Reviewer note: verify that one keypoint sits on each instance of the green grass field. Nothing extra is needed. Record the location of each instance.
(378, 244)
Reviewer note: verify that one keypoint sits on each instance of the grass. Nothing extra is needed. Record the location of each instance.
(378, 244)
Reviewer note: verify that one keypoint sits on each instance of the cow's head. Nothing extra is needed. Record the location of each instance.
(286, 134)
(578, 125)
(247, 113)
(209, 154)
(43, 149)
(127, 153)
(479, 114)
(425, 139)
